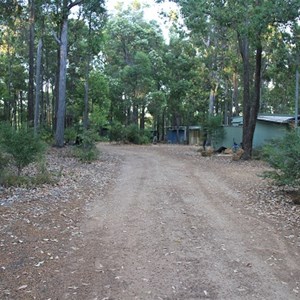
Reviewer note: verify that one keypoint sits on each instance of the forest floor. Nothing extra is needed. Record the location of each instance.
(150, 222)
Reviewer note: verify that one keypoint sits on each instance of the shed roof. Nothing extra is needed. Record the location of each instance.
(279, 119)
(276, 118)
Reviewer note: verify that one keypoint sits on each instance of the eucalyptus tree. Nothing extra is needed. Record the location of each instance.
(61, 11)
(85, 45)
(95, 15)
(130, 40)
(12, 61)
(278, 80)
(31, 8)
(64, 12)
(181, 59)
(157, 98)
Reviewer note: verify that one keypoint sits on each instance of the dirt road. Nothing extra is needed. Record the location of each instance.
(172, 227)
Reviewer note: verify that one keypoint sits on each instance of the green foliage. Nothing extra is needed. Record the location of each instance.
(283, 157)
(9, 179)
(46, 135)
(133, 134)
(214, 129)
(130, 134)
(117, 132)
(4, 160)
(42, 176)
(21, 144)
(86, 155)
(136, 136)
(98, 116)
(87, 150)
(70, 135)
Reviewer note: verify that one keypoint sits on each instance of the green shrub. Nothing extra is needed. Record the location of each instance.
(87, 151)
(4, 159)
(70, 135)
(86, 155)
(43, 175)
(46, 135)
(23, 146)
(117, 132)
(10, 179)
(257, 153)
(137, 136)
(130, 134)
(283, 157)
(213, 128)
(133, 134)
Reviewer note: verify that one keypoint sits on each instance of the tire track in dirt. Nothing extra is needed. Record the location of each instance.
(169, 229)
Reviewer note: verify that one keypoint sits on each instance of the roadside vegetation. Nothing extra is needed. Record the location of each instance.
(283, 156)
(19, 148)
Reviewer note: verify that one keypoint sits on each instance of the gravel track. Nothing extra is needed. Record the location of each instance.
(150, 222)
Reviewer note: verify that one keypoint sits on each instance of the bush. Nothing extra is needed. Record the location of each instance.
(133, 134)
(4, 159)
(86, 155)
(46, 135)
(23, 146)
(283, 157)
(87, 150)
(214, 129)
(117, 132)
(136, 136)
(70, 135)
(130, 134)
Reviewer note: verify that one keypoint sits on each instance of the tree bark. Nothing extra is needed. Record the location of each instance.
(86, 104)
(142, 121)
(250, 106)
(38, 86)
(235, 102)
(60, 118)
(31, 63)
(244, 50)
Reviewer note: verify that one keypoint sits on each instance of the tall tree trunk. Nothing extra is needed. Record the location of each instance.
(15, 109)
(211, 102)
(8, 100)
(21, 107)
(135, 113)
(297, 92)
(244, 49)
(250, 106)
(142, 122)
(235, 103)
(86, 95)
(38, 86)
(163, 121)
(31, 63)
(86, 105)
(60, 118)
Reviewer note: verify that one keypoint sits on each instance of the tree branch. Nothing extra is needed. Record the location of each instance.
(72, 4)
(55, 37)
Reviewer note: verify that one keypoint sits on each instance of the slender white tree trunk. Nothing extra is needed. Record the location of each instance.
(60, 121)
(38, 86)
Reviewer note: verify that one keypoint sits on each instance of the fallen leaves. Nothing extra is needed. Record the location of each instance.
(37, 225)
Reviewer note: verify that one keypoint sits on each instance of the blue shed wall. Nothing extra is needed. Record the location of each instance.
(172, 136)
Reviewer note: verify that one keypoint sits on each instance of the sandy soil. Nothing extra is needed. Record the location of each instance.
(165, 223)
